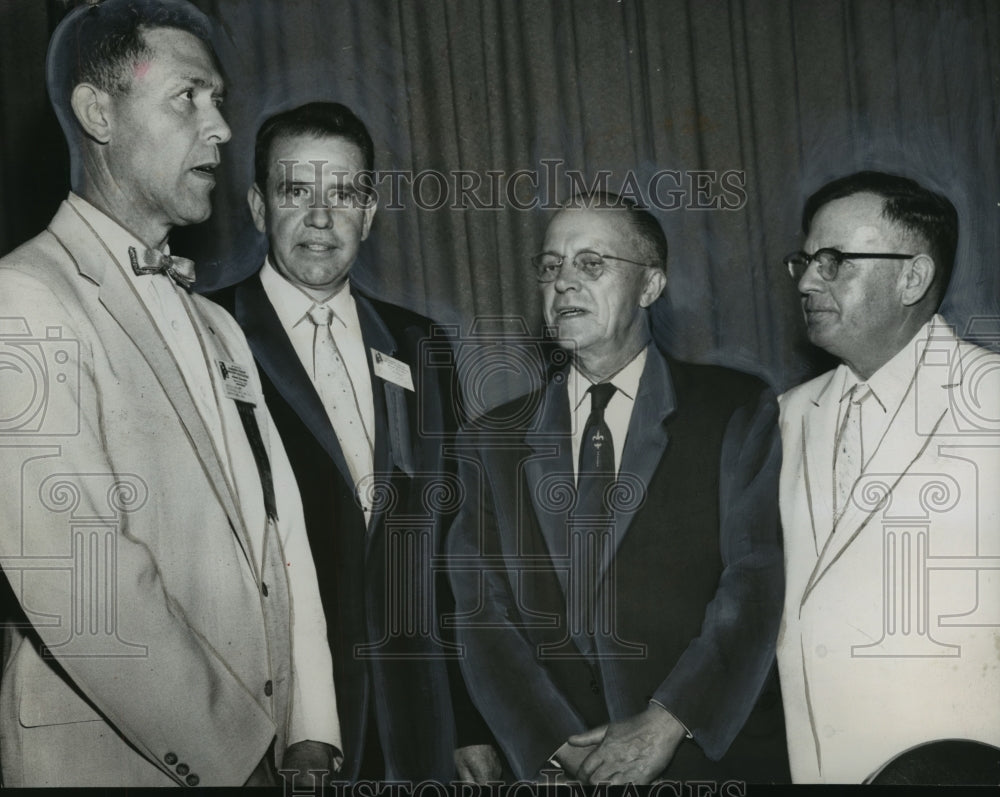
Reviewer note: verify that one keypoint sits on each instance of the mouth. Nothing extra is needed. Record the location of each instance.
(319, 247)
(206, 170)
(569, 312)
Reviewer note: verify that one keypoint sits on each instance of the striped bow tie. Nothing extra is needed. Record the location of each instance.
(179, 269)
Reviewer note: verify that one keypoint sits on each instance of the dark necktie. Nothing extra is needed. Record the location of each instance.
(597, 456)
(179, 269)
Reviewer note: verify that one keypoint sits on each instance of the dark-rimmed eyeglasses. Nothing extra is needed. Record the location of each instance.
(828, 261)
(590, 264)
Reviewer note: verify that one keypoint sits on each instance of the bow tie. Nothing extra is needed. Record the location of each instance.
(179, 269)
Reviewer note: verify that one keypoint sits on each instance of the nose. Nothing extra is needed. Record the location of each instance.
(811, 281)
(568, 277)
(319, 215)
(216, 129)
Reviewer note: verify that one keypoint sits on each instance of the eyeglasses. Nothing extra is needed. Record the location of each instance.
(829, 261)
(590, 265)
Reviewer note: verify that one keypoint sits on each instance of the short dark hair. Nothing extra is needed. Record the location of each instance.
(905, 202)
(318, 119)
(103, 42)
(643, 223)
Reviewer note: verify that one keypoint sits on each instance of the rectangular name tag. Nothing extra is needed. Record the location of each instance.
(392, 370)
(236, 382)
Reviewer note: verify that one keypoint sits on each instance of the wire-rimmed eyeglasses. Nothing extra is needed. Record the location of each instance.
(590, 264)
(829, 260)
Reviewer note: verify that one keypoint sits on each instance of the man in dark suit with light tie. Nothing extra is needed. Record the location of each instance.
(617, 562)
(340, 375)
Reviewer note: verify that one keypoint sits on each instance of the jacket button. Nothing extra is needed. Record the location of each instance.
(268, 688)
(192, 780)
(170, 759)
(594, 687)
(183, 769)
(263, 588)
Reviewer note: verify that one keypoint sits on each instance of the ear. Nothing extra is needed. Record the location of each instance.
(915, 279)
(92, 108)
(656, 281)
(258, 208)
(366, 222)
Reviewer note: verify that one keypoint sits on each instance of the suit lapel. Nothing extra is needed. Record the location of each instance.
(645, 445)
(277, 357)
(904, 442)
(819, 432)
(376, 335)
(116, 294)
(549, 472)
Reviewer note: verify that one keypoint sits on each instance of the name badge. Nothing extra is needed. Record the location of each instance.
(392, 370)
(236, 382)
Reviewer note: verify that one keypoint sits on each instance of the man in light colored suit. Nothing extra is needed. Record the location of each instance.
(888, 493)
(150, 531)
(616, 561)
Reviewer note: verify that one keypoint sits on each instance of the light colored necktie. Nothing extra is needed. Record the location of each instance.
(849, 455)
(333, 383)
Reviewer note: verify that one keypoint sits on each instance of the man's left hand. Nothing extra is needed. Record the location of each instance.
(303, 759)
(478, 763)
(635, 750)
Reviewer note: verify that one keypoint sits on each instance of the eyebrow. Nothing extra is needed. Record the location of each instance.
(217, 86)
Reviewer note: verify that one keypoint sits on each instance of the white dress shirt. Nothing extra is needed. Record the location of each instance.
(617, 414)
(292, 306)
(160, 297)
(888, 385)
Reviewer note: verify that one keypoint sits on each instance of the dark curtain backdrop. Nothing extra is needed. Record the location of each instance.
(782, 95)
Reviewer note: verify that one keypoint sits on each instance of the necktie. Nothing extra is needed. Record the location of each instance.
(849, 455)
(333, 383)
(179, 269)
(597, 456)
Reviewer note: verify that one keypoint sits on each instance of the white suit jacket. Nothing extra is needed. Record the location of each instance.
(167, 632)
(891, 630)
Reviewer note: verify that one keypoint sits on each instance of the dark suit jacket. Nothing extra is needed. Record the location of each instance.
(691, 573)
(380, 593)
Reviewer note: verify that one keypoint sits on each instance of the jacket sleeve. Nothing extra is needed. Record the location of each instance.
(718, 678)
(525, 710)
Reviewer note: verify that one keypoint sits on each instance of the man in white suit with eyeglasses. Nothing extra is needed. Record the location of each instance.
(888, 494)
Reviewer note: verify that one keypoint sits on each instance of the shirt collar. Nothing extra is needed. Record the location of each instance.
(293, 305)
(115, 237)
(626, 380)
(888, 385)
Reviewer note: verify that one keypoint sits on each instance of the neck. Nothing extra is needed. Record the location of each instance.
(892, 341)
(600, 369)
(101, 190)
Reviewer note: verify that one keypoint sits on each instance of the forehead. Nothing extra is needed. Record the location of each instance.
(177, 55)
(573, 229)
(851, 222)
(301, 157)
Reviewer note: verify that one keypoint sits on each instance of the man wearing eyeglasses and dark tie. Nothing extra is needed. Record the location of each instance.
(888, 493)
(617, 561)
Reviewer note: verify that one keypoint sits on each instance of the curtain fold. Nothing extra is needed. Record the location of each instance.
(734, 110)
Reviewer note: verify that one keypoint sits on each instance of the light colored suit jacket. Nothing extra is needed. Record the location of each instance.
(152, 643)
(891, 630)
